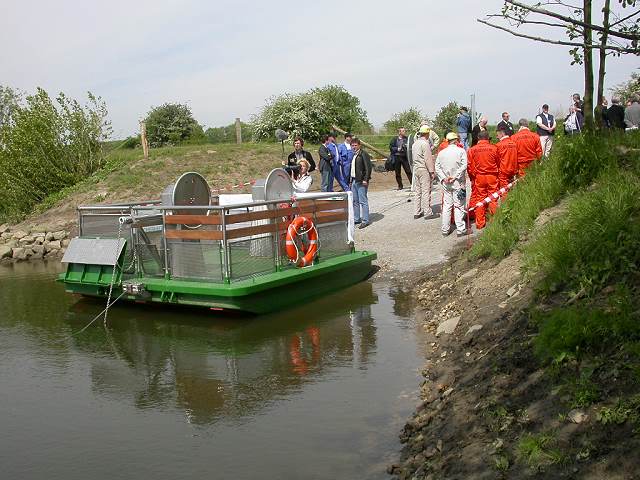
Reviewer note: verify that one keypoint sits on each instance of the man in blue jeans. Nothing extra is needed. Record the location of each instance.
(463, 122)
(360, 177)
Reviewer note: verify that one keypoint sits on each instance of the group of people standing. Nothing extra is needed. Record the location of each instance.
(346, 162)
(489, 167)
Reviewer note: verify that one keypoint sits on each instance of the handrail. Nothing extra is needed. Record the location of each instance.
(155, 204)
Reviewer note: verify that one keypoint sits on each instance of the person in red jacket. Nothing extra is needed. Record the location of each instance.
(508, 159)
(482, 167)
(528, 145)
(445, 143)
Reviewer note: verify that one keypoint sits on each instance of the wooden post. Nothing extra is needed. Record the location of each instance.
(370, 147)
(238, 131)
(144, 141)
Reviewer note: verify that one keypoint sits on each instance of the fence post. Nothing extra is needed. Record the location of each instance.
(238, 131)
(143, 140)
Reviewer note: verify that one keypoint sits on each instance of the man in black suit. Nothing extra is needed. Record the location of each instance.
(327, 161)
(505, 125)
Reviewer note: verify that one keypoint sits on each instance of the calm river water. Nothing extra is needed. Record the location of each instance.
(316, 392)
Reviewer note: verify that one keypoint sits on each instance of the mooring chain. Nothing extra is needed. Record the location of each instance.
(113, 272)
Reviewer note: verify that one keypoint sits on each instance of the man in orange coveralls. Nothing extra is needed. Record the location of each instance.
(482, 167)
(528, 144)
(508, 159)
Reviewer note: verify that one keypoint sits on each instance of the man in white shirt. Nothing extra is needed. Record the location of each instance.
(546, 129)
(451, 168)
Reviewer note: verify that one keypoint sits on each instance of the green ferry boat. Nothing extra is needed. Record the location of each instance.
(224, 252)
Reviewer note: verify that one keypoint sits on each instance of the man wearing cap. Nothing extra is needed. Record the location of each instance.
(528, 145)
(546, 129)
(451, 166)
(424, 173)
(482, 167)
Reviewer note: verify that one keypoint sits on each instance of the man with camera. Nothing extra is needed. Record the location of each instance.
(299, 153)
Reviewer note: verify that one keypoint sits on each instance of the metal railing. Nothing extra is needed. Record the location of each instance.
(227, 244)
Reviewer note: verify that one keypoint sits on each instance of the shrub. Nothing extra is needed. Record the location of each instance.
(410, 119)
(309, 114)
(172, 124)
(47, 146)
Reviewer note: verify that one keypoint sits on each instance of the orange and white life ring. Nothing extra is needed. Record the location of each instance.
(300, 226)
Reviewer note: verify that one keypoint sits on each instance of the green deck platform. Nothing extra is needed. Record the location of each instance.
(259, 294)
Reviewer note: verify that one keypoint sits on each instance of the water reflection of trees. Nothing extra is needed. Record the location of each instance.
(212, 368)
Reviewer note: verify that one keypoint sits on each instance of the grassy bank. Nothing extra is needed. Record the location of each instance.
(586, 311)
(541, 374)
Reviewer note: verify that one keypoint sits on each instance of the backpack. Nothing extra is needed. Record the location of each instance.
(390, 164)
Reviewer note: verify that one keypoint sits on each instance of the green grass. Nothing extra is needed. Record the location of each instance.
(540, 450)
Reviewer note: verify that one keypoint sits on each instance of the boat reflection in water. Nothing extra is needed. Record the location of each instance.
(219, 368)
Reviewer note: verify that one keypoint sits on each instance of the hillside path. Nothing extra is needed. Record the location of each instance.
(402, 243)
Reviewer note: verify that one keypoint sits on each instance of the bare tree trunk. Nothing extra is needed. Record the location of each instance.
(588, 68)
(601, 68)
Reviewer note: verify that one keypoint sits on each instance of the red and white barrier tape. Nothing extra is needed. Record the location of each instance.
(493, 196)
(232, 187)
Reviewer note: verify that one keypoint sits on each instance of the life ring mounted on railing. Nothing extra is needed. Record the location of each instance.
(298, 227)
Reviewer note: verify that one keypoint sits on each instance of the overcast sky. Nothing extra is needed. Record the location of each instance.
(225, 58)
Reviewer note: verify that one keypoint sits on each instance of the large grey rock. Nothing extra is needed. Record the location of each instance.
(467, 275)
(6, 235)
(52, 245)
(5, 251)
(48, 236)
(28, 240)
(59, 235)
(4, 228)
(38, 249)
(448, 326)
(52, 253)
(19, 234)
(19, 253)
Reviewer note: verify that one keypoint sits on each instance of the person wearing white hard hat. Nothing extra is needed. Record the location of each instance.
(451, 167)
(424, 173)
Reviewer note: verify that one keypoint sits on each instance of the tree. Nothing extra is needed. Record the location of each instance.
(9, 103)
(619, 34)
(410, 119)
(624, 91)
(172, 124)
(49, 145)
(445, 120)
(309, 114)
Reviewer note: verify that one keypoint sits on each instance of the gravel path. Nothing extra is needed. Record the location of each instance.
(402, 243)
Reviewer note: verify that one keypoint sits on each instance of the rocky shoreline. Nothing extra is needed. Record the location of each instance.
(18, 244)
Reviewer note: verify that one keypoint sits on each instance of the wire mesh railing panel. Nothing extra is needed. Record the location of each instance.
(251, 257)
(332, 238)
(149, 250)
(196, 259)
(102, 225)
